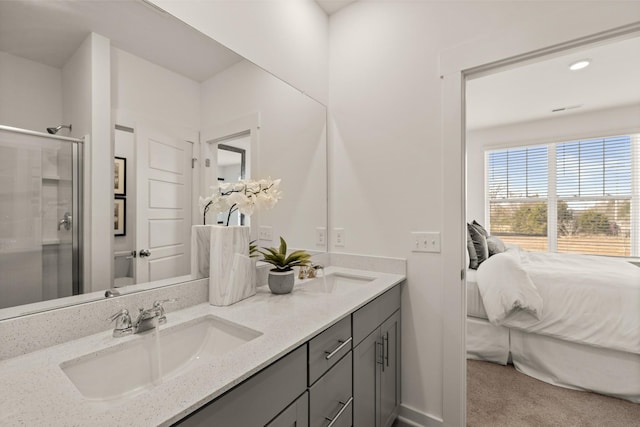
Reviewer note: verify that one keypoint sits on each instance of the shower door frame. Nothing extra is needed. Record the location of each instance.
(77, 211)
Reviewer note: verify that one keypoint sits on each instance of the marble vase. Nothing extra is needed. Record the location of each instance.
(222, 254)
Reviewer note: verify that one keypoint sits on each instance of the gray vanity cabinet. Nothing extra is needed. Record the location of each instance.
(296, 415)
(390, 370)
(331, 397)
(259, 399)
(347, 375)
(376, 361)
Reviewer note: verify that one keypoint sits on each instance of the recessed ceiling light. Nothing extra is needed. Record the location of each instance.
(579, 65)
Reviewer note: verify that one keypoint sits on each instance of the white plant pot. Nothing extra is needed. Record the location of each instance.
(222, 254)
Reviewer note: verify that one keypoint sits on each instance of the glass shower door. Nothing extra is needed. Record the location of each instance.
(39, 211)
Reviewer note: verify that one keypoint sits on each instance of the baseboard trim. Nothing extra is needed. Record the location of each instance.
(411, 417)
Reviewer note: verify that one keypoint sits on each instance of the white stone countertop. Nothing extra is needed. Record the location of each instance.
(35, 391)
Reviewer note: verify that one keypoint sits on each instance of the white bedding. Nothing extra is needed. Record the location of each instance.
(475, 307)
(579, 298)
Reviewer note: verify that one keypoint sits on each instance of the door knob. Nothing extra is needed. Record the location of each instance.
(65, 221)
(144, 253)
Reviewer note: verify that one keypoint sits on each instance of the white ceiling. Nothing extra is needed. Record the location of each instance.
(50, 31)
(532, 91)
(332, 6)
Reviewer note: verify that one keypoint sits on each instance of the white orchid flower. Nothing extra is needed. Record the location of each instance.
(248, 196)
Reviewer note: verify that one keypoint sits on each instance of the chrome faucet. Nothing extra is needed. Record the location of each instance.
(310, 271)
(147, 319)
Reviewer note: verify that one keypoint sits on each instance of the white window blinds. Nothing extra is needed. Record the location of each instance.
(518, 189)
(590, 185)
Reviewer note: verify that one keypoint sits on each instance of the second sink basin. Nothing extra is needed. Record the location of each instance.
(154, 356)
(337, 282)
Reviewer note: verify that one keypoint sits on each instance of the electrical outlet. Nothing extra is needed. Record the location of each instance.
(422, 241)
(321, 236)
(265, 233)
(339, 236)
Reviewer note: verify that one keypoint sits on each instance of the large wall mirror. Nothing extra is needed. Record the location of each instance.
(183, 112)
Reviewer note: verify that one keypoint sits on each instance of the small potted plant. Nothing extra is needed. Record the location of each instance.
(281, 278)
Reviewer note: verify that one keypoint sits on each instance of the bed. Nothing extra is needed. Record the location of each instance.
(568, 320)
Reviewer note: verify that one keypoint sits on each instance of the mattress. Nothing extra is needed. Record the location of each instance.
(475, 307)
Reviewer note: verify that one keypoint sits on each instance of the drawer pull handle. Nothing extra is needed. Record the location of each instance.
(381, 361)
(386, 348)
(330, 354)
(344, 408)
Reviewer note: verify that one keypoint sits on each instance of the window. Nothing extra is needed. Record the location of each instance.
(571, 197)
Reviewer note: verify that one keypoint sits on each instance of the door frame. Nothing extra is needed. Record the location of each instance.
(456, 66)
(212, 136)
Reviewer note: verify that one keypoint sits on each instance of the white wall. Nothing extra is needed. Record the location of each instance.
(87, 106)
(143, 91)
(286, 37)
(31, 94)
(291, 146)
(386, 114)
(610, 122)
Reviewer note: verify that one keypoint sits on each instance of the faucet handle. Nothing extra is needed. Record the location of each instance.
(159, 304)
(313, 269)
(123, 323)
(124, 312)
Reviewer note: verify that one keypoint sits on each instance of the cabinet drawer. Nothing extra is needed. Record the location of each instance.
(326, 349)
(330, 397)
(373, 314)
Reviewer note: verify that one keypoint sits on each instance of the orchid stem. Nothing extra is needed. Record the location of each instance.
(232, 209)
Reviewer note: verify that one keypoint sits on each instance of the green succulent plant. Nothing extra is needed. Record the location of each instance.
(279, 259)
(253, 249)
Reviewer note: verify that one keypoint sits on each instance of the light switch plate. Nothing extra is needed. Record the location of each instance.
(265, 233)
(338, 234)
(423, 241)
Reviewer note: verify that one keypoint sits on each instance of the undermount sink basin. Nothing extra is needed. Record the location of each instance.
(154, 356)
(337, 282)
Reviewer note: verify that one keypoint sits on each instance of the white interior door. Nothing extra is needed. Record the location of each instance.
(163, 223)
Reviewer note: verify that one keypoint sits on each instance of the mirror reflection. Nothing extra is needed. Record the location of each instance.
(231, 163)
(182, 113)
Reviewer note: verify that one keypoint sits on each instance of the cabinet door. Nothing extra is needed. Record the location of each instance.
(390, 370)
(366, 384)
(296, 415)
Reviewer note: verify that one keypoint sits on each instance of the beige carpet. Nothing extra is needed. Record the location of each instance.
(501, 396)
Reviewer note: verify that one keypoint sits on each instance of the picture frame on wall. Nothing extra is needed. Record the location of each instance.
(120, 176)
(120, 217)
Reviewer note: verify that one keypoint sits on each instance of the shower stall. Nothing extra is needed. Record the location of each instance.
(40, 216)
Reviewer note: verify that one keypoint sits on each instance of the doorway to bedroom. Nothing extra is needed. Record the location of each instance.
(552, 174)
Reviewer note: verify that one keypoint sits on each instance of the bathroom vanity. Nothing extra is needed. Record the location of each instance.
(326, 354)
(350, 371)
